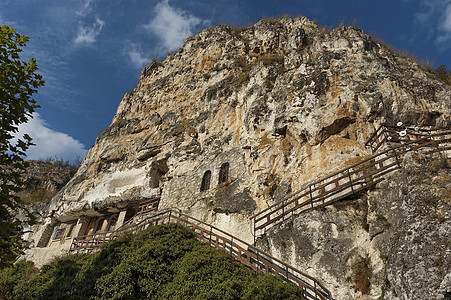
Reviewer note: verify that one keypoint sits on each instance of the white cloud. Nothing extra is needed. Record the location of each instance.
(88, 34)
(436, 17)
(136, 55)
(50, 143)
(85, 9)
(445, 24)
(444, 37)
(172, 25)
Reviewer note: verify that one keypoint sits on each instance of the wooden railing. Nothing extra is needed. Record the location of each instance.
(92, 241)
(397, 134)
(148, 206)
(144, 207)
(345, 183)
(219, 239)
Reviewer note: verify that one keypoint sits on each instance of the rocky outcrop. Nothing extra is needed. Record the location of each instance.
(283, 102)
(43, 179)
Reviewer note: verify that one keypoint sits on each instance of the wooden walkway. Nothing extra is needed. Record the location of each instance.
(386, 135)
(325, 191)
(353, 179)
(245, 253)
(96, 240)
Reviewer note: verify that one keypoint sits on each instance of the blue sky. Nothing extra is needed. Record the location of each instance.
(90, 52)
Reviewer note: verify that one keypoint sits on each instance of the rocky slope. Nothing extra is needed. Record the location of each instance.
(43, 179)
(282, 102)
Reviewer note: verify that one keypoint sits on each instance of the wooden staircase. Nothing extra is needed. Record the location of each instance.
(322, 192)
(245, 253)
(356, 178)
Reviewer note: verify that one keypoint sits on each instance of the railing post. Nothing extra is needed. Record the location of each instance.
(350, 181)
(316, 291)
(258, 260)
(383, 138)
(283, 210)
(231, 243)
(286, 267)
(311, 198)
(255, 234)
(396, 157)
(209, 239)
(169, 219)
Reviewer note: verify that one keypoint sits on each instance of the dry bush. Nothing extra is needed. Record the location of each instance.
(443, 74)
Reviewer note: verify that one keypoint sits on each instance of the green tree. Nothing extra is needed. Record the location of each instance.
(18, 82)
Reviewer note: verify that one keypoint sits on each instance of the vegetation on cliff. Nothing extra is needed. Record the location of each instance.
(163, 262)
(443, 73)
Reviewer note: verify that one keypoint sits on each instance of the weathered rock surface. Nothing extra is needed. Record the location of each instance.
(391, 243)
(283, 102)
(43, 179)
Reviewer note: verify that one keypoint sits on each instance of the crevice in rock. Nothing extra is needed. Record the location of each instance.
(157, 170)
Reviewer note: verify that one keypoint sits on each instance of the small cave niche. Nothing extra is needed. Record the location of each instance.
(158, 169)
(282, 131)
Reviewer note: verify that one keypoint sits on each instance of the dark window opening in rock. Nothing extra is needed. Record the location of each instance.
(59, 232)
(90, 229)
(46, 235)
(205, 185)
(112, 222)
(281, 131)
(101, 225)
(130, 213)
(69, 232)
(158, 169)
(224, 173)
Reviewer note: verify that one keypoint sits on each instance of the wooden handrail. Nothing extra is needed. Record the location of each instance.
(315, 192)
(353, 166)
(245, 253)
(148, 206)
(371, 168)
(411, 133)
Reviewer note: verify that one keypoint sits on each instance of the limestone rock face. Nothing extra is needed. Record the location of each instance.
(282, 102)
(391, 243)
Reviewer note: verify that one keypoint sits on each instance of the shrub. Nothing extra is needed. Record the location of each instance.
(21, 272)
(163, 262)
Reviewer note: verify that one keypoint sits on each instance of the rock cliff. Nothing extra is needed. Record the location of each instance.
(391, 243)
(281, 103)
(44, 179)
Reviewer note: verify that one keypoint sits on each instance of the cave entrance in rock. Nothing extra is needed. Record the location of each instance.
(157, 169)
